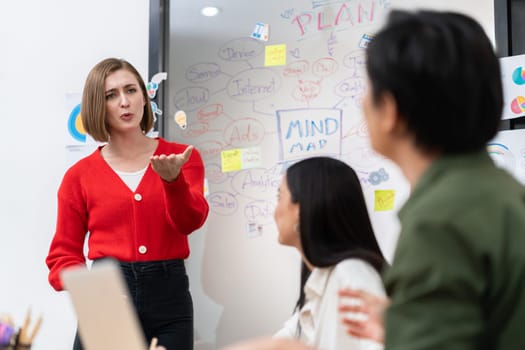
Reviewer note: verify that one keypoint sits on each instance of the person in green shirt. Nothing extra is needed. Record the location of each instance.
(434, 100)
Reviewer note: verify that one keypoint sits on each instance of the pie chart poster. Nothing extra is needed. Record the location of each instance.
(513, 75)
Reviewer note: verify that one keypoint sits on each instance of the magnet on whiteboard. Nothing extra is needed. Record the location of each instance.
(365, 40)
(261, 31)
(254, 229)
(180, 119)
(155, 109)
(153, 85)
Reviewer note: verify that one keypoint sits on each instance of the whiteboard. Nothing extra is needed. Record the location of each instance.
(253, 107)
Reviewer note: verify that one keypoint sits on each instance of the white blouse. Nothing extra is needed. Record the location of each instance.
(320, 319)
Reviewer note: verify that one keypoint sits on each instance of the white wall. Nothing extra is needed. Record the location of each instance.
(47, 49)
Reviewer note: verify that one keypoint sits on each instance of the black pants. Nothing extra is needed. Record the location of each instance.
(160, 293)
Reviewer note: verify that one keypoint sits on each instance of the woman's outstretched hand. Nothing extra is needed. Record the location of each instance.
(168, 166)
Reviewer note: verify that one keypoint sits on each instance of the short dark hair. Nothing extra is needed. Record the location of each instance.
(93, 106)
(442, 71)
(334, 224)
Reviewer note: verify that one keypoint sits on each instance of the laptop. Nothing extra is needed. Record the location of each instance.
(106, 316)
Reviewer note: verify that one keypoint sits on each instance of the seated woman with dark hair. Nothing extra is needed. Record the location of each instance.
(321, 211)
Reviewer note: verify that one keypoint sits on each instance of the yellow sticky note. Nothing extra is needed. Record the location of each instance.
(384, 200)
(275, 55)
(231, 160)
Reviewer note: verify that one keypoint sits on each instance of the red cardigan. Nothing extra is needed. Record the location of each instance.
(146, 225)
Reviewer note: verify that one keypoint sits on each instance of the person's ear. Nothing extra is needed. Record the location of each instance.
(296, 211)
(392, 123)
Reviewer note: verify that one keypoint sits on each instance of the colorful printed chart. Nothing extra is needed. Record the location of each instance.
(513, 79)
(518, 76)
(517, 105)
(507, 150)
(74, 125)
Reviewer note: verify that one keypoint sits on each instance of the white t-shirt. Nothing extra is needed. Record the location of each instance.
(320, 319)
(132, 179)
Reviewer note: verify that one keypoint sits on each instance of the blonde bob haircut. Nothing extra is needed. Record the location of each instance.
(93, 106)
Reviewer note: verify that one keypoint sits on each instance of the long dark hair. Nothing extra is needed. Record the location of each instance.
(333, 219)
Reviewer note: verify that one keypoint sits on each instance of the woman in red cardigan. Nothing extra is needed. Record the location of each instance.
(138, 198)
